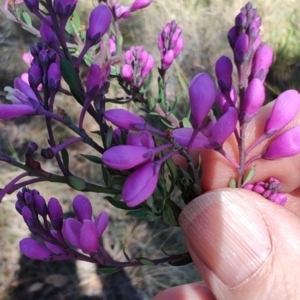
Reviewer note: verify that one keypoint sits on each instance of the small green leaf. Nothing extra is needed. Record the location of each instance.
(26, 18)
(145, 261)
(151, 103)
(249, 175)
(152, 217)
(93, 158)
(138, 213)
(186, 122)
(77, 183)
(65, 158)
(18, 12)
(181, 261)
(76, 19)
(106, 176)
(232, 183)
(108, 271)
(147, 86)
(108, 138)
(168, 216)
(69, 28)
(71, 78)
(117, 203)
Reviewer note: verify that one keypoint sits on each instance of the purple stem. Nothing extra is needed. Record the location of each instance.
(27, 182)
(262, 138)
(85, 107)
(252, 159)
(65, 144)
(230, 159)
(7, 188)
(192, 139)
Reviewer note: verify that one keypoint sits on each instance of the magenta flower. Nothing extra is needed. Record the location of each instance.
(24, 101)
(99, 22)
(285, 145)
(285, 109)
(140, 185)
(82, 208)
(125, 157)
(127, 72)
(142, 139)
(222, 101)
(253, 99)
(121, 11)
(202, 97)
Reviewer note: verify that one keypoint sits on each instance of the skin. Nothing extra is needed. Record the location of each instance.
(244, 246)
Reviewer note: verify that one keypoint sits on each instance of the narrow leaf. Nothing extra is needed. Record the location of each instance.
(93, 158)
(77, 183)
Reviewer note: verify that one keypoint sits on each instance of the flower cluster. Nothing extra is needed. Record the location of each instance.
(135, 150)
(59, 238)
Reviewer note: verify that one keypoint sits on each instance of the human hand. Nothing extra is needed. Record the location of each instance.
(244, 246)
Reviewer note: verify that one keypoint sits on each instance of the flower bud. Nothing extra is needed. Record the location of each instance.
(232, 36)
(241, 21)
(99, 22)
(123, 118)
(148, 66)
(168, 59)
(125, 157)
(202, 97)
(64, 8)
(285, 145)
(261, 62)
(284, 110)
(127, 72)
(140, 185)
(32, 5)
(241, 48)
(48, 34)
(93, 78)
(183, 137)
(55, 213)
(34, 250)
(223, 70)
(40, 205)
(253, 99)
(121, 11)
(143, 139)
(139, 4)
(179, 46)
(222, 101)
(82, 208)
(54, 76)
(34, 75)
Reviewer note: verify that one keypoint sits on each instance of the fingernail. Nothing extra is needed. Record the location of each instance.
(225, 233)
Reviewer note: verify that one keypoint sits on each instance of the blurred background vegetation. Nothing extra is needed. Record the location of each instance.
(205, 25)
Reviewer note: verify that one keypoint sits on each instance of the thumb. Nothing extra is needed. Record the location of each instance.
(244, 246)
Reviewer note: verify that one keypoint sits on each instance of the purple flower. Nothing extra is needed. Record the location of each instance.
(88, 238)
(140, 185)
(285, 109)
(34, 250)
(121, 11)
(285, 145)
(48, 34)
(222, 101)
(241, 48)
(202, 97)
(99, 22)
(23, 98)
(34, 76)
(96, 78)
(125, 157)
(32, 5)
(54, 77)
(253, 99)
(139, 4)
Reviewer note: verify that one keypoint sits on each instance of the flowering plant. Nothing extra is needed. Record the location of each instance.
(140, 150)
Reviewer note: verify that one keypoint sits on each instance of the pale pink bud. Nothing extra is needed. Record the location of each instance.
(285, 145)
(128, 56)
(127, 72)
(253, 99)
(179, 46)
(148, 66)
(284, 110)
(122, 11)
(168, 59)
(202, 97)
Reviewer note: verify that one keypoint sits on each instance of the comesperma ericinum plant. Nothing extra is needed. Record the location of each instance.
(140, 174)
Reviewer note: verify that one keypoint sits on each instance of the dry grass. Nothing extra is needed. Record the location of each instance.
(205, 25)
